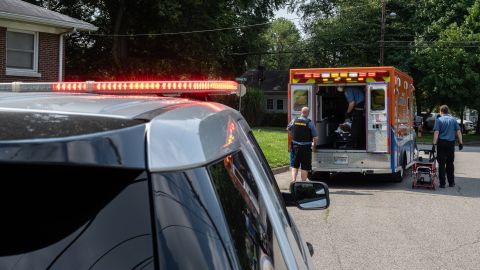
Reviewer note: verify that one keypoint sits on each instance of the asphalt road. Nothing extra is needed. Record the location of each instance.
(374, 224)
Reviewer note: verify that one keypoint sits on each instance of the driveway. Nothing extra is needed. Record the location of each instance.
(376, 224)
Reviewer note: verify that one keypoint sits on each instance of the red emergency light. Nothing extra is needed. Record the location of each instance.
(148, 87)
(382, 73)
(127, 87)
(80, 87)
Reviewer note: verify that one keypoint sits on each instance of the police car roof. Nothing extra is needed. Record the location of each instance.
(127, 106)
(180, 133)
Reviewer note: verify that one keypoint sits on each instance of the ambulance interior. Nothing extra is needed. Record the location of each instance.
(333, 131)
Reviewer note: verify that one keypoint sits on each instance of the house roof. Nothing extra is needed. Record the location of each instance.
(18, 10)
(273, 80)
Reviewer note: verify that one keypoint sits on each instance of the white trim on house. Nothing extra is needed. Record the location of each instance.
(33, 27)
(49, 22)
(17, 73)
(60, 59)
(20, 71)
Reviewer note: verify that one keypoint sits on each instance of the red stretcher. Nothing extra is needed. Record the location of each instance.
(424, 169)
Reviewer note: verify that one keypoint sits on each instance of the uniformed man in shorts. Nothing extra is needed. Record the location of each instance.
(304, 139)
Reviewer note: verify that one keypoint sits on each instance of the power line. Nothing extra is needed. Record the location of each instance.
(182, 33)
(357, 46)
(204, 30)
(187, 32)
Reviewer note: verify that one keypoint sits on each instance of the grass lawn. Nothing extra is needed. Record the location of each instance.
(467, 138)
(274, 144)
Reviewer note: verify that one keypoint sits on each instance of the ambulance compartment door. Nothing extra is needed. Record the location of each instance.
(377, 118)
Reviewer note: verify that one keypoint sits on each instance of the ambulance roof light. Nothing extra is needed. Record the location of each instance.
(127, 87)
(382, 73)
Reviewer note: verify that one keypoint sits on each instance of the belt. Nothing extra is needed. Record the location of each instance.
(306, 144)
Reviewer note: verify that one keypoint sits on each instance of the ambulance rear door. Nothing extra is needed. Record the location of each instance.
(301, 95)
(377, 118)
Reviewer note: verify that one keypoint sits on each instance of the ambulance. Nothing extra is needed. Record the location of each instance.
(389, 145)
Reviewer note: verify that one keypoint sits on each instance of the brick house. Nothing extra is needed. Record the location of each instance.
(32, 42)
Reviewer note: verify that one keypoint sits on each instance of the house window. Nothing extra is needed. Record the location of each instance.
(22, 51)
(269, 104)
(280, 104)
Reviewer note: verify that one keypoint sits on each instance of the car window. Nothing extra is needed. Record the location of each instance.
(188, 232)
(267, 169)
(68, 217)
(276, 192)
(250, 228)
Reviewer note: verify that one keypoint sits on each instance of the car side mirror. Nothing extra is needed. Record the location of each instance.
(310, 195)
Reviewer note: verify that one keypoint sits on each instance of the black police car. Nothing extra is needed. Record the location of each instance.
(92, 180)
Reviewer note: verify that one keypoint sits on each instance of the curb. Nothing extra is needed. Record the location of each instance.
(280, 169)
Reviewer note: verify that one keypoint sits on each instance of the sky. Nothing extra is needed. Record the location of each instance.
(290, 16)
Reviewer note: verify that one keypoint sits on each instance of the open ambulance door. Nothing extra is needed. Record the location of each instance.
(301, 95)
(377, 118)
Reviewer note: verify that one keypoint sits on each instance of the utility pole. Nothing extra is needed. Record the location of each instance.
(382, 33)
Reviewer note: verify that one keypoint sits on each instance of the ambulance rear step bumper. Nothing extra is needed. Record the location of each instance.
(354, 170)
(351, 161)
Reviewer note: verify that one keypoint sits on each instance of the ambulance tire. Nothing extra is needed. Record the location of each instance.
(319, 176)
(398, 176)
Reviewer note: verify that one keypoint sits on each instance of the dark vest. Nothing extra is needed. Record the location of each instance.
(301, 131)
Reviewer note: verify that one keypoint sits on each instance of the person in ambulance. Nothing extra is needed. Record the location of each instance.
(355, 97)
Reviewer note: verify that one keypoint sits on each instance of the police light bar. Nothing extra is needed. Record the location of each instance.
(127, 87)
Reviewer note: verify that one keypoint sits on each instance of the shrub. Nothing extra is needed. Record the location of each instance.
(275, 119)
(252, 106)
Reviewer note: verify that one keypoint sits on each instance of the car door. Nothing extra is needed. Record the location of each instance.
(252, 230)
(293, 242)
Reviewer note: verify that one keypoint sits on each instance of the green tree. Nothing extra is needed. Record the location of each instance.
(282, 39)
(451, 64)
(342, 33)
(117, 51)
(253, 106)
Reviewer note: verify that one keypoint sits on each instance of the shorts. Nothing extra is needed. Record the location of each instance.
(302, 157)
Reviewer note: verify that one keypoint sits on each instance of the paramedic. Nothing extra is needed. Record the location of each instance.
(445, 128)
(304, 139)
(356, 112)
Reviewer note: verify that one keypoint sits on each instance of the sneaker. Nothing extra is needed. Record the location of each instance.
(451, 185)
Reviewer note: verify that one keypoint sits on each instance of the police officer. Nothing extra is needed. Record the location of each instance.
(445, 128)
(356, 112)
(304, 139)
